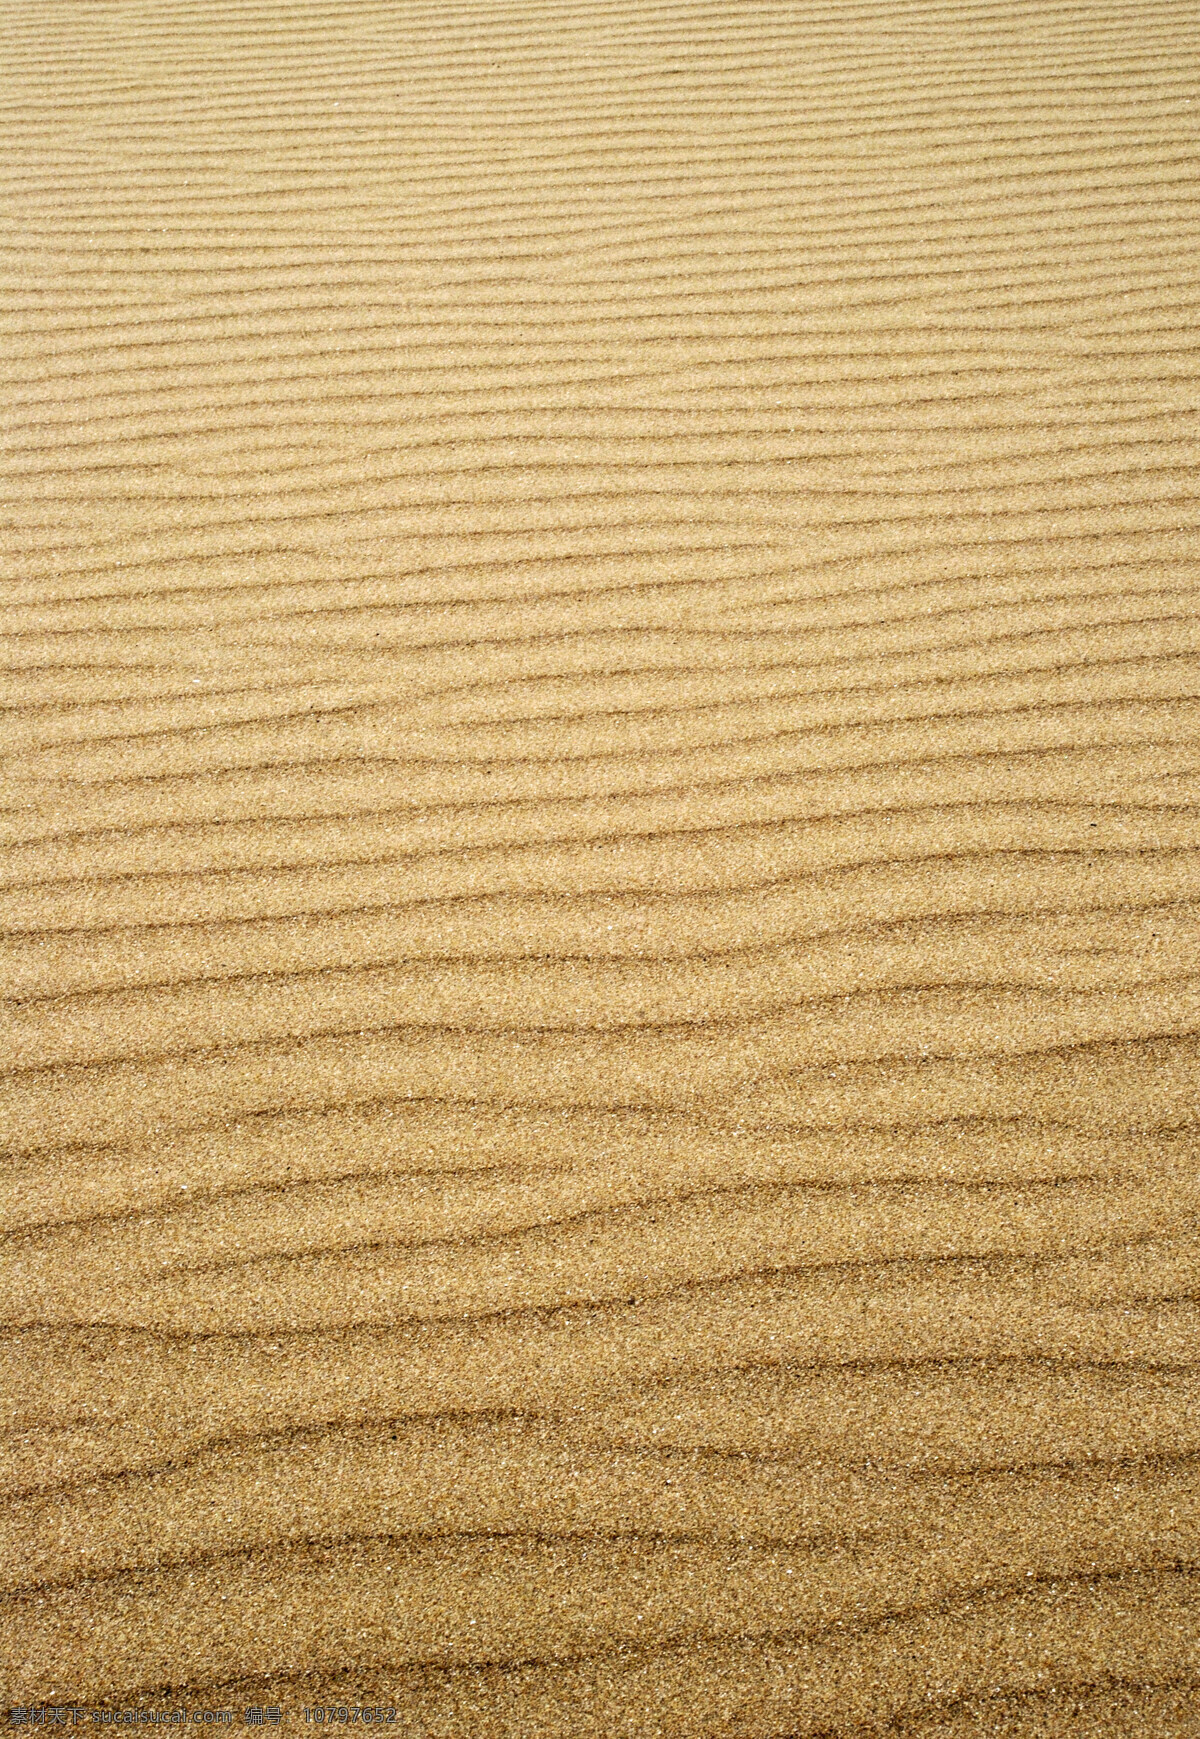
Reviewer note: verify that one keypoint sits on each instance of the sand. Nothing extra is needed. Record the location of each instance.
(600, 881)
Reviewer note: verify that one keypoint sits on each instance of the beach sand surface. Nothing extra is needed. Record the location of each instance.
(600, 1064)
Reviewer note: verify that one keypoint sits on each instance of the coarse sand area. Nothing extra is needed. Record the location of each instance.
(600, 710)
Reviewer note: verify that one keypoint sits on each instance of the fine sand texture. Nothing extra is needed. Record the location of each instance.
(601, 896)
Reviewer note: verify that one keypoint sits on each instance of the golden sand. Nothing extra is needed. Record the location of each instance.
(600, 881)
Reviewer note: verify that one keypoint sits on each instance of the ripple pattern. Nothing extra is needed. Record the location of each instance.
(600, 864)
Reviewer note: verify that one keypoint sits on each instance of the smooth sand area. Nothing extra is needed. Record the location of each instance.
(601, 1055)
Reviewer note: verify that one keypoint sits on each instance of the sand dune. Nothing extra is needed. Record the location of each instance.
(599, 864)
